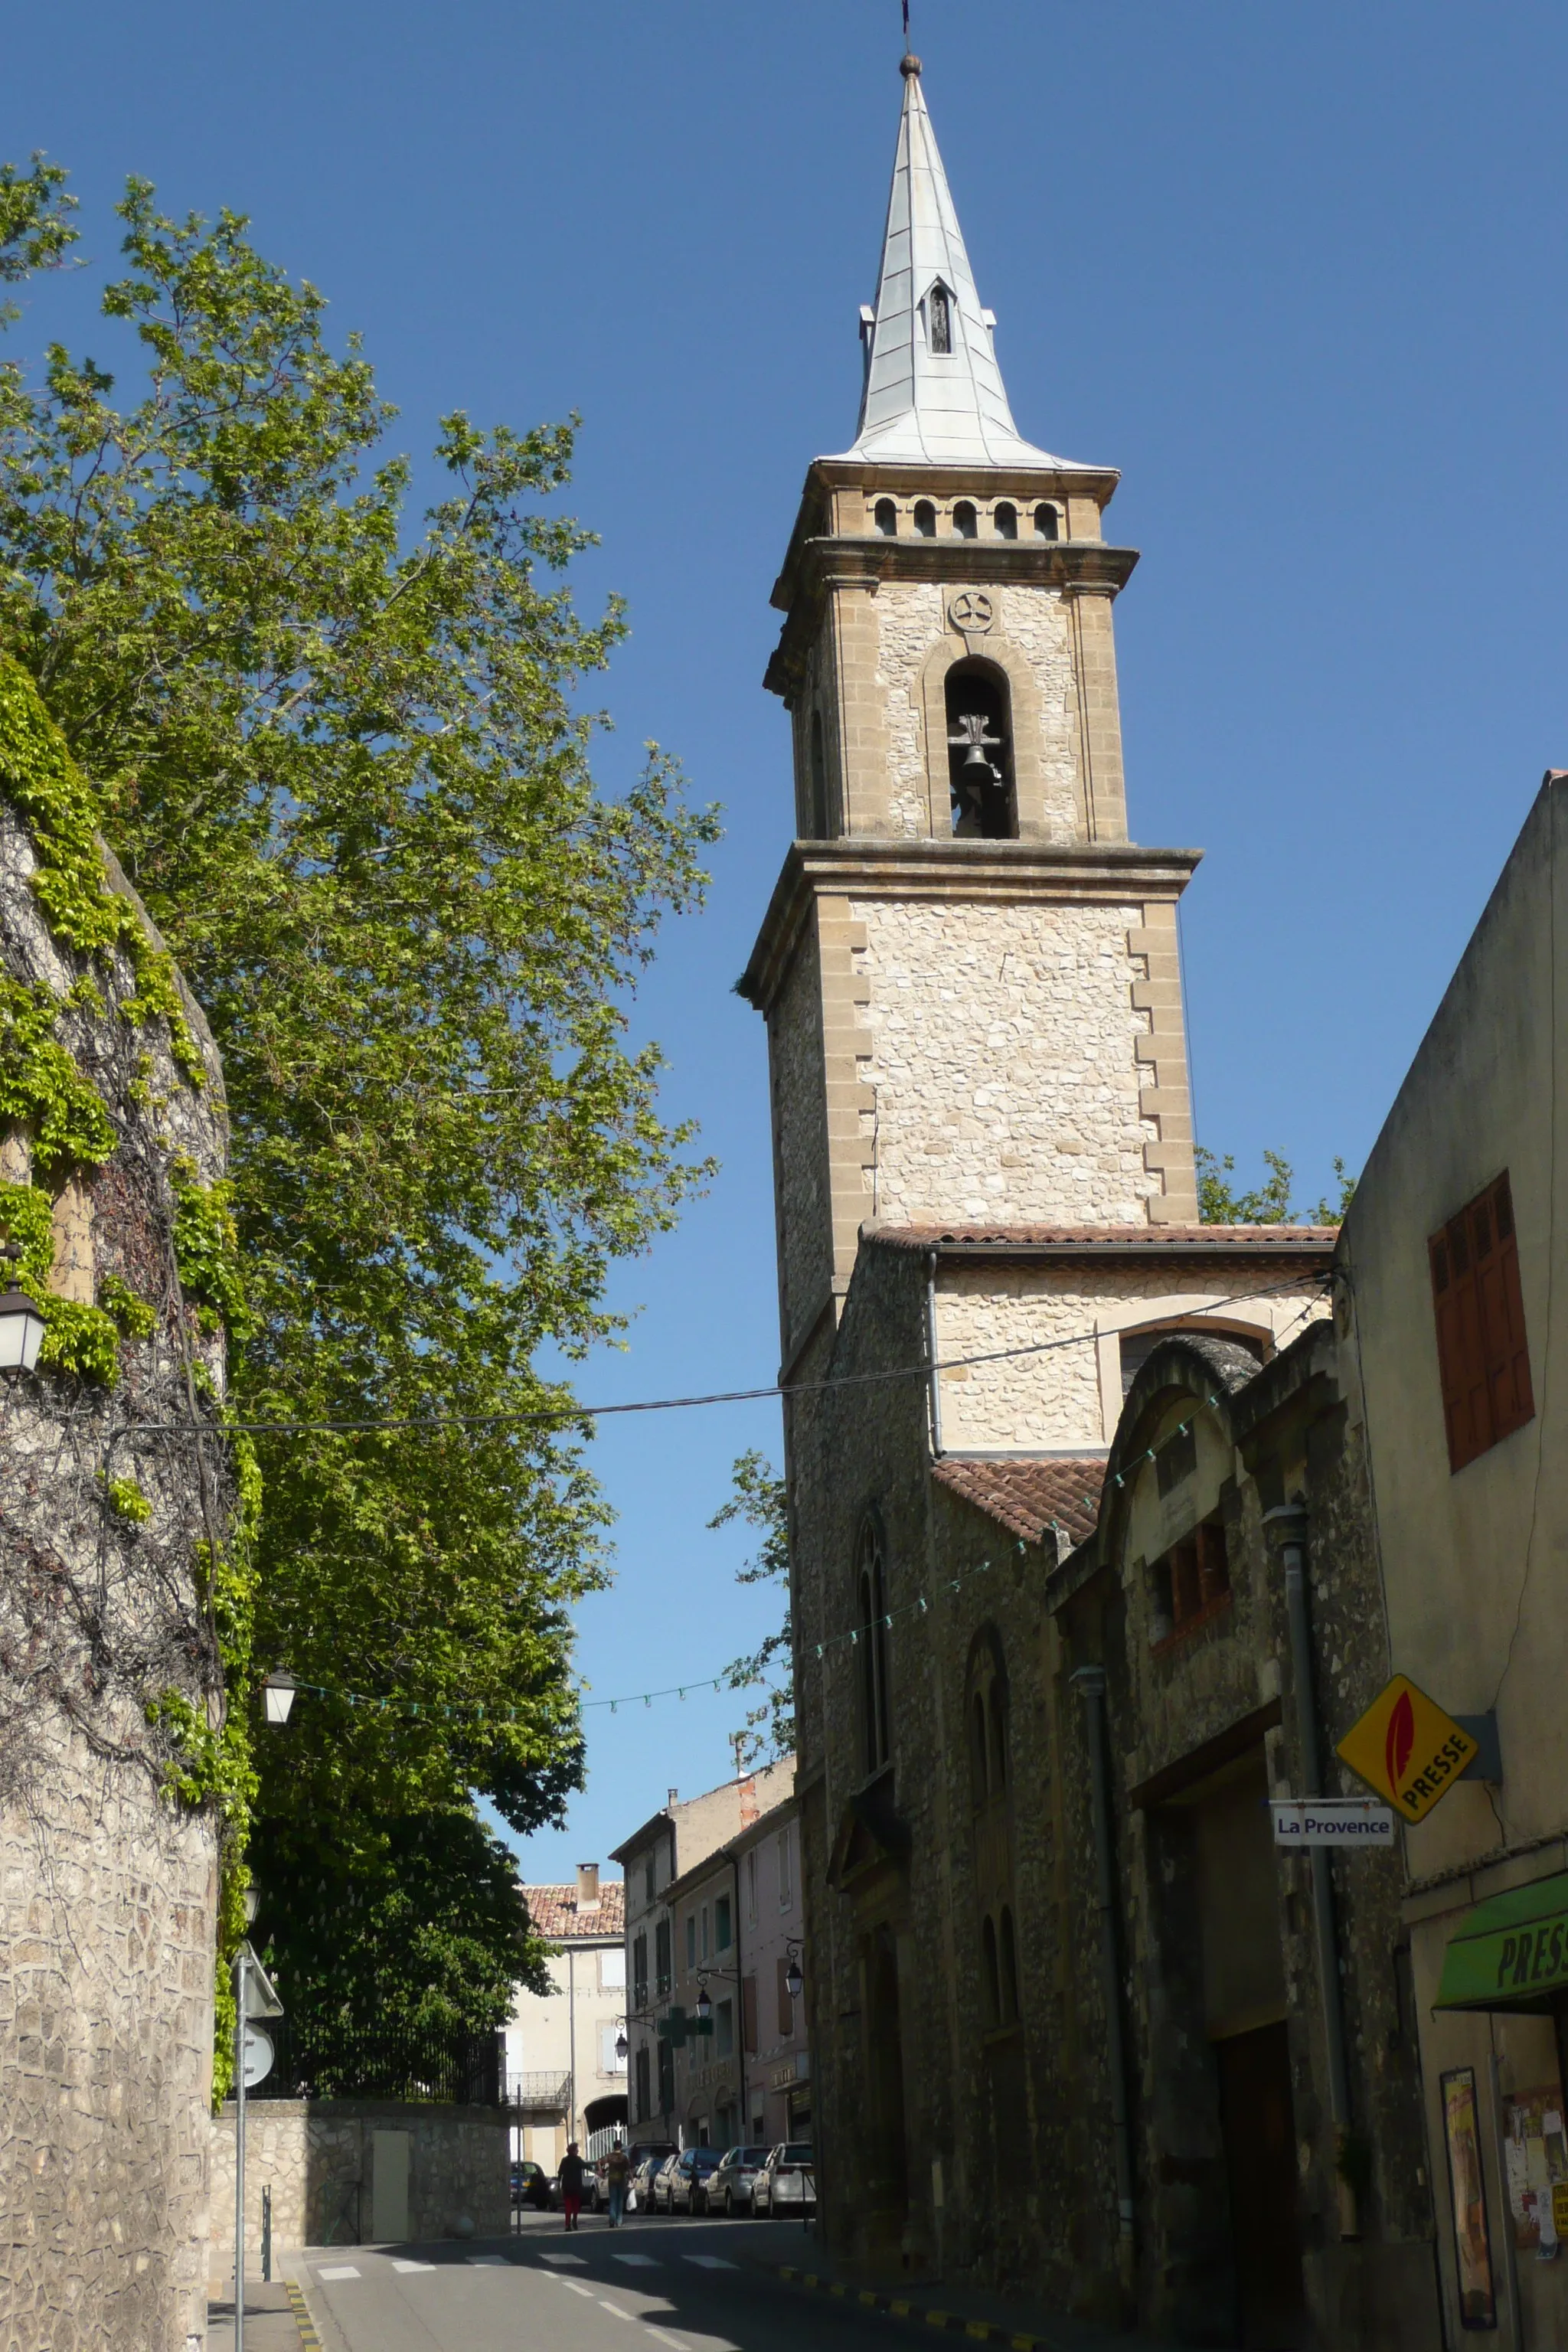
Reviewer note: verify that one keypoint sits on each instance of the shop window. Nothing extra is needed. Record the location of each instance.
(1483, 1355)
(1006, 521)
(887, 517)
(1191, 1585)
(1047, 522)
(925, 518)
(980, 753)
(966, 520)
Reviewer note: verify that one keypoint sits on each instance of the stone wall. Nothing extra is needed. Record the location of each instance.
(318, 2157)
(111, 1479)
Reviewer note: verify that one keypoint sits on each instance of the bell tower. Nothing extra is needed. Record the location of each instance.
(969, 974)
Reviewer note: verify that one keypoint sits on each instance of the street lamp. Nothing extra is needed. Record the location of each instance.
(21, 1331)
(704, 2003)
(277, 1695)
(794, 1980)
(622, 2044)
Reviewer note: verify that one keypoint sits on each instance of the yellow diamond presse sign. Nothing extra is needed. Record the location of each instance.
(1406, 1748)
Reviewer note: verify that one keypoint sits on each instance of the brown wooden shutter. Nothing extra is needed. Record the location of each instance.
(1483, 1357)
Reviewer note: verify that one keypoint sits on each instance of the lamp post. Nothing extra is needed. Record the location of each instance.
(253, 1997)
(21, 1322)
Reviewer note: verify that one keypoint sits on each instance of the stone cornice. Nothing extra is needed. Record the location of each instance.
(850, 560)
(998, 872)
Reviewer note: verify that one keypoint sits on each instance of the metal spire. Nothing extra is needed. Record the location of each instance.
(933, 391)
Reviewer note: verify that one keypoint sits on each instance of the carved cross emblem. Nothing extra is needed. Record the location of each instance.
(971, 612)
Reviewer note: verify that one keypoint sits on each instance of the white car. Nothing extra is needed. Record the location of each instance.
(787, 2179)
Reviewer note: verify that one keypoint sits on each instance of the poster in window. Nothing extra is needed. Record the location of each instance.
(1535, 2159)
(1472, 2243)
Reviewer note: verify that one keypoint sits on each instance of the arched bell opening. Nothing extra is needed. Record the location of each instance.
(980, 753)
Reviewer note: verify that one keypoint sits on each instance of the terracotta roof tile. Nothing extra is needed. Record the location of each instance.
(555, 1913)
(1230, 1239)
(1026, 1497)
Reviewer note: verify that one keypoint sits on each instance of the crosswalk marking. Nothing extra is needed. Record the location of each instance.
(638, 2262)
(489, 2262)
(339, 2271)
(708, 2261)
(561, 2261)
(412, 2266)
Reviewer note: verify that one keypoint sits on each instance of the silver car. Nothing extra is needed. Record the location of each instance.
(729, 2188)
(787, 2179)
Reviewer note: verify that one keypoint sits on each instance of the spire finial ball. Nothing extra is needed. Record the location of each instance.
(910, 67)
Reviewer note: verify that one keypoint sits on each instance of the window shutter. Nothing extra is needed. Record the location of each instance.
(1483, 1357)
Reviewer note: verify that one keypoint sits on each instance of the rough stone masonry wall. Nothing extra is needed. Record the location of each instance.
(1004, 1056)
(318, 2157)
(108, 1890)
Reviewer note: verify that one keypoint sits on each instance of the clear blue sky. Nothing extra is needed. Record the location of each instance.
(1298, 272)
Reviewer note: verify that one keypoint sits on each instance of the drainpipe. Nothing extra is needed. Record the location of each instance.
(1089, 1684)
(931, 1357)
(1289, 1520)
(745, 2119)
(572, 2039)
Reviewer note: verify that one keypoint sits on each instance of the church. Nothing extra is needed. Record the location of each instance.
(1011, 1355)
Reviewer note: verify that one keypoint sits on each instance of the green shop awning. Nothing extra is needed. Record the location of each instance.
(1510, 1953)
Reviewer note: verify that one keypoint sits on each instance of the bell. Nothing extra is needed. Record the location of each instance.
(976, 758)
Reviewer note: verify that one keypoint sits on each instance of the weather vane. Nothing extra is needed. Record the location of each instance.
(910, 63)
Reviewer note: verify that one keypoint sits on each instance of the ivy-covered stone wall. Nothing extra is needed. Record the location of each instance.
(123, 1594)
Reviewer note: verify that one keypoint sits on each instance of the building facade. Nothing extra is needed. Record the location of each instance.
(666, 1850)
(566, 2076)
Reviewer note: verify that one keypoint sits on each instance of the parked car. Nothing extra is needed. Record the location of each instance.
(644, 2157)
(729, 2191)
(689, 2180)
(531, 2185)
(658, 2191)
(639, 2181)
(786, 2178)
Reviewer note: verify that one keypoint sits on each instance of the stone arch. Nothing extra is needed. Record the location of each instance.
(928, 693)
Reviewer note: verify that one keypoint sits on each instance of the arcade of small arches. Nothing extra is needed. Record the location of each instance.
(1003, 518)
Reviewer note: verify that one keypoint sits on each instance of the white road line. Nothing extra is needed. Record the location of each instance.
(615, 2307)
(412, 2266)
(708, 2261)
(578, 2288)
(575, 2261)
(639, 2261)
(661, 2336)
(340, 2269)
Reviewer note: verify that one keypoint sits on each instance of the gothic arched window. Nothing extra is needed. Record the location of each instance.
(887, 517)
(872, 1640)
(938, 318)
(980, 753)
(819, 779)
(965, 522)
(990, 1778)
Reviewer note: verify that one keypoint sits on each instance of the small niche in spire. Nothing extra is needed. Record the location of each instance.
(939, 319)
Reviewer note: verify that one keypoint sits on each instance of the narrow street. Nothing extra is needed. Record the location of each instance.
(689, 2286)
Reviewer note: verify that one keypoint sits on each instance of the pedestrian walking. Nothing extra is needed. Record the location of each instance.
(572, 2170)
(617, 2164)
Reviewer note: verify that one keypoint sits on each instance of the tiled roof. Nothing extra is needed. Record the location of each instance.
(1245, 1241)
(1027, 1497)
(555, 1913)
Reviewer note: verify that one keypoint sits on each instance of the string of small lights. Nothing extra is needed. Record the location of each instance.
(850, 1639)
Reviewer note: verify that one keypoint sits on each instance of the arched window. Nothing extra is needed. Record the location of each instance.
(1047, 522)
(980, 753)
(999, 1775)
(819, 779)
(965, 522)
(925, 518)
(1006, 521)
(979, 1759)
(990, 1974)
(872, 1640)
(1008, 2003)
(938, 318)
(887, 517)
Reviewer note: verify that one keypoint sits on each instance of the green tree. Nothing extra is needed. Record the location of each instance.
(343, 762)
(1270, 1204)
(760, 1499)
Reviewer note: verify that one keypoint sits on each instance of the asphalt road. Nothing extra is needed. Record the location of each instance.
(684, 2285)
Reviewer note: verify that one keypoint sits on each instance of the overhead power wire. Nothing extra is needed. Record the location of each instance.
(568, 1412)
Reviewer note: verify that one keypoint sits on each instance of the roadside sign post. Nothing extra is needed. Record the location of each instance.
(252, 1998)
